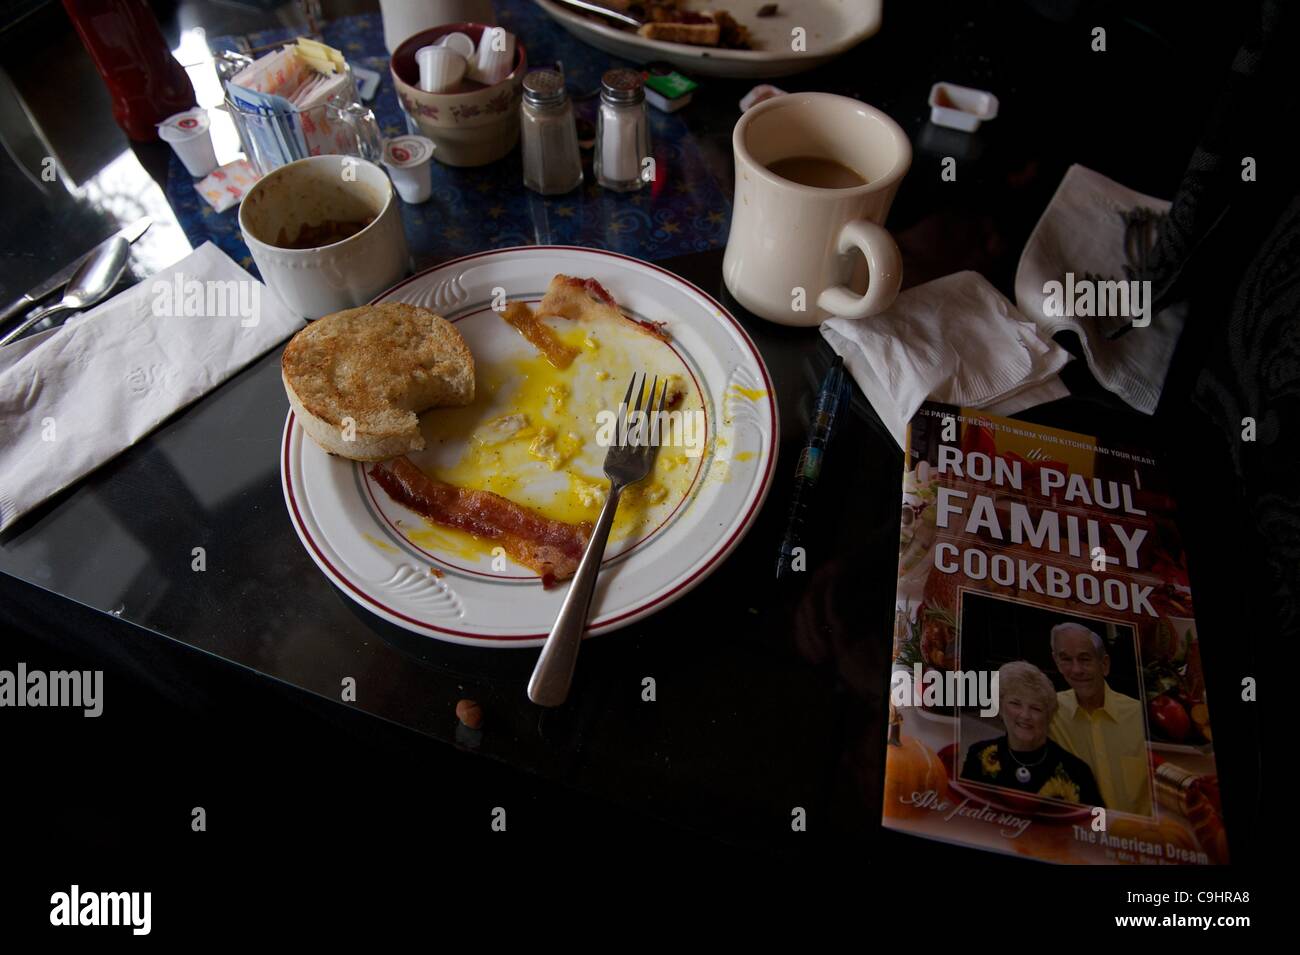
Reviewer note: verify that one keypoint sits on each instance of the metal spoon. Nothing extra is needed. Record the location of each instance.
(90, 283)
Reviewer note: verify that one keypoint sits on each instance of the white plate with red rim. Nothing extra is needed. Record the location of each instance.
(396, 565)
(828, 29)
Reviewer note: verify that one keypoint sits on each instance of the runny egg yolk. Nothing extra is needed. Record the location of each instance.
(531, 434)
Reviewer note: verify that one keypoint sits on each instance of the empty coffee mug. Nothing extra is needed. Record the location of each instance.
(815, 177)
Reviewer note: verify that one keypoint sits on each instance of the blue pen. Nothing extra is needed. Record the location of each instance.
(829, 399)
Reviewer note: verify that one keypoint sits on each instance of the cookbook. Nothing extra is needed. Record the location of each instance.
(1046, 696)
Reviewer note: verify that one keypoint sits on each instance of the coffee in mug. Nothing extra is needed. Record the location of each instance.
(815, 177)
(818, 172)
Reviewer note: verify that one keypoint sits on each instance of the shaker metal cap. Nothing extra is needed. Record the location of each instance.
(622, 86)
(544, 87)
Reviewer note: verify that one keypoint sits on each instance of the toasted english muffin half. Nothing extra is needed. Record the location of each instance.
(358, 380)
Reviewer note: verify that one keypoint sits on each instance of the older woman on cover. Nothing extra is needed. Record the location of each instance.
(1024, 758)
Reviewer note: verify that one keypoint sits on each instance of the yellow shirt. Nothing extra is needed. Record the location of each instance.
(1112, 741)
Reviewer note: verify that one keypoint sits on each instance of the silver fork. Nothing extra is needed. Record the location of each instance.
(625, 464)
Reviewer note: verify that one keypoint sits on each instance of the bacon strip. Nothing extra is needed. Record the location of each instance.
(575, 298)
(551, 548)
(540, 334)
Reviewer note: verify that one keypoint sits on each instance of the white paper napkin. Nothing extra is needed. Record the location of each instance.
(957, 340)
(108, 377)
(1082, 232)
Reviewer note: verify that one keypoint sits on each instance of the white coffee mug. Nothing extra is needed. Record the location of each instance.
(792, 255)
(344, 274)
(406, 18)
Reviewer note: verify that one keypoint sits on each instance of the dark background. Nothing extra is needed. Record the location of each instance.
(994, 632)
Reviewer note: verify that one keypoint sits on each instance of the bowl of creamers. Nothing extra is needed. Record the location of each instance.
(471, 123)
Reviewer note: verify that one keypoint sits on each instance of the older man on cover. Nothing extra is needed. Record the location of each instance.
(1100, 726)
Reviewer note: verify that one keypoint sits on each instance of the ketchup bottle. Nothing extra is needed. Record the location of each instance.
(145, 81)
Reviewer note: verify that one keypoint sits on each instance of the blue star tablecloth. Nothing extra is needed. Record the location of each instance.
(488, 207)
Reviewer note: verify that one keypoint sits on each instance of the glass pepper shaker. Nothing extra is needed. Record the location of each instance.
(622, 131)
(549, 135)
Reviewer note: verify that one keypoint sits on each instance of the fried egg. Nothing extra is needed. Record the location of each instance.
(532, 433)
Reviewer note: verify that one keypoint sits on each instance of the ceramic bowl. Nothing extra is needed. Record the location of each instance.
(467, 129)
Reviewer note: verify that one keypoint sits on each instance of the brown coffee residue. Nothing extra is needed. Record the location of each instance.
(313, 236)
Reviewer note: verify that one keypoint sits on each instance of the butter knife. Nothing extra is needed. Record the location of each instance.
(60, 278)
(618, 14)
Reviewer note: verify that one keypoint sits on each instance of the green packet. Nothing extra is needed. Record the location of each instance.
(671, 85)
(668, 91)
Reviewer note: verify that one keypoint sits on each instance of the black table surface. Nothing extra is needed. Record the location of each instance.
(768, 697)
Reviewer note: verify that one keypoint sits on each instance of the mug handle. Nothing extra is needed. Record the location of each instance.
(884, 269)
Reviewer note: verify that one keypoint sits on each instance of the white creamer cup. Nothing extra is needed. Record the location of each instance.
(961, 107)
(495, 56)
(441, 68)
(409, 162)
(190, 136)
(462, 43)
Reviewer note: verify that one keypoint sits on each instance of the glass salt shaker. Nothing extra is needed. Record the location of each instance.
(549, 135)
(622, 131)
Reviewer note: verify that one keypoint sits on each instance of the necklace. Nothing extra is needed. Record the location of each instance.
(1022, 772)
